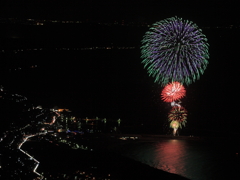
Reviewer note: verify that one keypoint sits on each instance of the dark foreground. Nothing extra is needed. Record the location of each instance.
(109, 157)
(61, 162)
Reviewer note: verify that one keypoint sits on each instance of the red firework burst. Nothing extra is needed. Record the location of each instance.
(178, 114)
(173, 91)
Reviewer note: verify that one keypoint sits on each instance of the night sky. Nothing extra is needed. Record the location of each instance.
(207, 12)
(115, 84)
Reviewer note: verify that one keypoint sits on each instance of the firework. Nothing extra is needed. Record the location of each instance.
(174, 124)
(175, 50)
(173, 91)
(178, 114)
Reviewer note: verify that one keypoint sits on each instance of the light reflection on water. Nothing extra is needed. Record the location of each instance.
(171, 155)
(196, 160)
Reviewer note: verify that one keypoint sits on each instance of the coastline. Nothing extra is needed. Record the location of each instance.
(101, 163)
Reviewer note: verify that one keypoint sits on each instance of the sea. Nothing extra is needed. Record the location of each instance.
(146, 157)
(190, 157)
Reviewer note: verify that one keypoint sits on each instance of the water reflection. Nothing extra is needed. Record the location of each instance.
(193, 159)
(170, 156)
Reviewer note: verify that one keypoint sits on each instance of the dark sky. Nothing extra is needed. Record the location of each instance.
(211, 12)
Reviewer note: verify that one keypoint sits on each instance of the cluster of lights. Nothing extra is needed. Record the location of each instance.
(31, 157)
(128, 138)
(37, 124)
(77, 175)
(41, 22)
(15, 51)
(14, 138)
(12, 97)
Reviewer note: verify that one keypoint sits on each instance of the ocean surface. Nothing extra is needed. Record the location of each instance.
(150, 156)
(193, 158)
